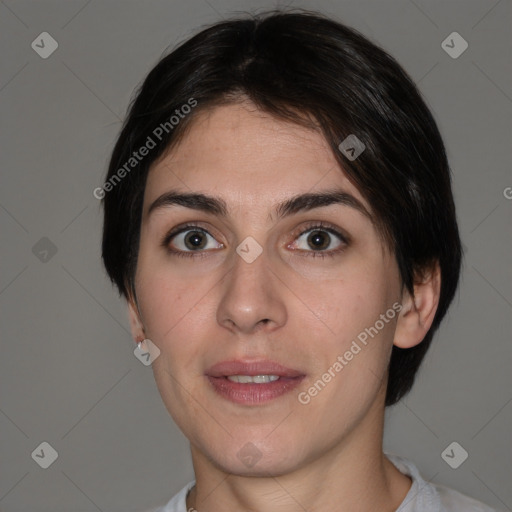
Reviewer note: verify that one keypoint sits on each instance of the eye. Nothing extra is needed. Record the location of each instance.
(186, 240)
(320, 240)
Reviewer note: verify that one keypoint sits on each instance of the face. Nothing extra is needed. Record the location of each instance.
(239, 286)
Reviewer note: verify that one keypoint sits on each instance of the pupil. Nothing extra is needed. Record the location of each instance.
(194, 240)
(316, 237)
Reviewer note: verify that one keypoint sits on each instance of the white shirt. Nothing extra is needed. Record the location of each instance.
(422, 496)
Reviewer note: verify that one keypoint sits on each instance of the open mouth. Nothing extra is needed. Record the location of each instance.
(251, 383)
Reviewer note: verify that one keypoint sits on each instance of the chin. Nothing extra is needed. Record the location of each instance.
(255, 459)
(266, 466)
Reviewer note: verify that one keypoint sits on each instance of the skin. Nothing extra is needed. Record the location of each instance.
(327, 454)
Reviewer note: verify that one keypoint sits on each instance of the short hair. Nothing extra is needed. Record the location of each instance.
(308, 69)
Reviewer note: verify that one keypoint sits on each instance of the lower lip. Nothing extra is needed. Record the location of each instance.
(252, 394)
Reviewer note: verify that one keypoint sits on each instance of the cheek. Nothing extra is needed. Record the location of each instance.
(346, 303)
(172, 306)
(353, 343)
(352, 356)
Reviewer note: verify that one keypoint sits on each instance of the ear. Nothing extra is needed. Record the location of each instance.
(418, 312)
(136, 325)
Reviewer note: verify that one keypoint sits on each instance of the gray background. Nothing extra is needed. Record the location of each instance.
(68, 373)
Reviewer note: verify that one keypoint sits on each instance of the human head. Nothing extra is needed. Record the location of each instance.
(317, 73)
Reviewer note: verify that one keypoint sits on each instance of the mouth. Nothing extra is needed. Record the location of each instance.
(252, 382)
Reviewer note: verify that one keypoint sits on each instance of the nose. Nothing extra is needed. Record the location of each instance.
(252, 298)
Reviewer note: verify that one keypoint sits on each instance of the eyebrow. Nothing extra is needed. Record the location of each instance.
(299, 203)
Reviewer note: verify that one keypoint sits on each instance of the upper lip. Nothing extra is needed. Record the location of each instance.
(251, 368)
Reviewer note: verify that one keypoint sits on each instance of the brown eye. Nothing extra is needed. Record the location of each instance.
(320, 241)
(316, 239)
(195, 240)
(190, 239)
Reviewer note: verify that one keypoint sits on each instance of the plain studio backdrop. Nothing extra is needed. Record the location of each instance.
(70, 383)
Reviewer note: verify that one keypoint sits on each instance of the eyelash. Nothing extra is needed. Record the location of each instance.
(320, 226)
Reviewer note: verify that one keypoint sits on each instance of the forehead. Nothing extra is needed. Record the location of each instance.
(249, 157)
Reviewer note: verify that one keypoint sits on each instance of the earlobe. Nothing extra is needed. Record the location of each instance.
(417, 315)
(136, 326)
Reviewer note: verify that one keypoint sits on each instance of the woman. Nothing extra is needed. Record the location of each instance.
(280, 220)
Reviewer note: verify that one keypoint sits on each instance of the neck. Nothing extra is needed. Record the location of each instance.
(352, 475)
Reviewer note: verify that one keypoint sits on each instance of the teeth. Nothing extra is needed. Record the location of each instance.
(257, 379)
